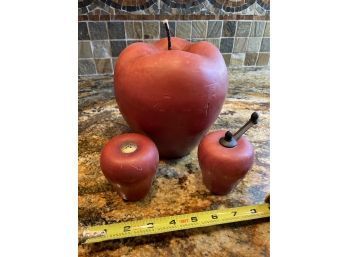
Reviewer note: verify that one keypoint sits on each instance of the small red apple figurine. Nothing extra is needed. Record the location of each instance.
(129, 163)
(172, 91)
(225, 158)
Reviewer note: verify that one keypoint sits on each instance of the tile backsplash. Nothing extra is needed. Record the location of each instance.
(243, 39)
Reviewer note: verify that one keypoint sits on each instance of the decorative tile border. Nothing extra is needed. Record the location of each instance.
(111, 17)
(242, 43)
(173, 9)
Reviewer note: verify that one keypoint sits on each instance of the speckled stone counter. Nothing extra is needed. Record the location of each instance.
(178, 186)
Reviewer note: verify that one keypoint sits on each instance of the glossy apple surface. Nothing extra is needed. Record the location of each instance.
(173, 96)
(129, 163)
(222, 167)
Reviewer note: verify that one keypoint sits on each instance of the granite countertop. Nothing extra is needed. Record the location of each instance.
(178, 187)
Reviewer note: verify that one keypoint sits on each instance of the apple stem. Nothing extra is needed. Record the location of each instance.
(251, 122)
(166, 25)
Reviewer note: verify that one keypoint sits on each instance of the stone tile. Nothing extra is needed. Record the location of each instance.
(103, 66)
(151, 29)
(114, 61)
(263, 59)
(265, 45)
(116, 30)
(163, 33)
(102, 12)
(214, 41)
(150, 41)
(240, 44)
(250, 59)
(85, 50)
(101, 49)
(183, 29)
(134, 30)
(229, 29)
(267, 30)
(226, 45)
(199, 29)
(98, 30)
(83, 31)
(259, 10)
(251, 9)
(254, 44)
(129, 42)
(194, 40)
(117, 47)
(257, 29)
(227, 59)
(243, 28)
(214, 29)
(237, 60)
(87, 67)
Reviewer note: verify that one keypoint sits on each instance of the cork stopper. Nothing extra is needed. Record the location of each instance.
(129, 147)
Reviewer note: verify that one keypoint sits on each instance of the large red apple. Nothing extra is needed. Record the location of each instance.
(173, 96)
(223, 167)
(129, 163)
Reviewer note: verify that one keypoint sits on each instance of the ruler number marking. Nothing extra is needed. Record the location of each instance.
(150, 225)
(214, 216)
(253, 211)
(126, 228)
(194, 219)
(172, 222)
(234, 213)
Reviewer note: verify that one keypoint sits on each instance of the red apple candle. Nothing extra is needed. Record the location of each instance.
(225, 158)
(171, 90)
(129, 163)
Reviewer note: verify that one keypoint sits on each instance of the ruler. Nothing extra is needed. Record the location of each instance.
(159, 225)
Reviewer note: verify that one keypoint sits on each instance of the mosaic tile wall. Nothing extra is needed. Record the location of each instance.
(239, 28)
(242, 43)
